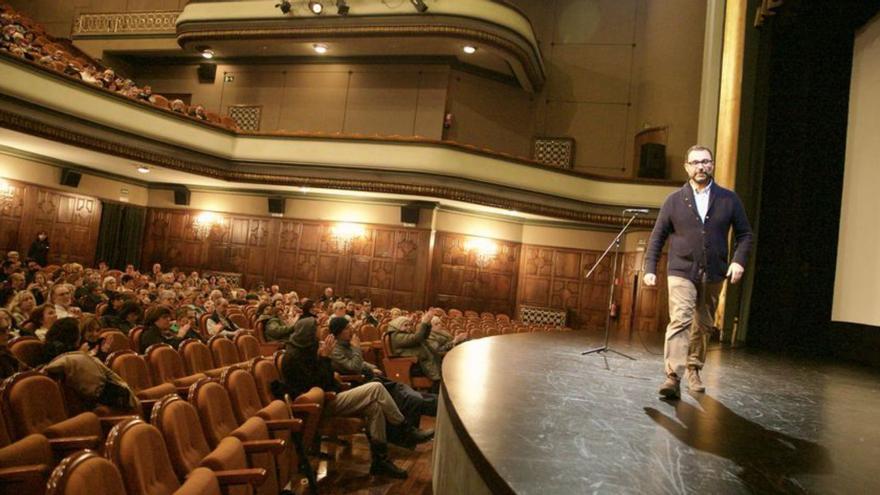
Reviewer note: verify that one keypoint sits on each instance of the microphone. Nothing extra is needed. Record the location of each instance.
(643, 211)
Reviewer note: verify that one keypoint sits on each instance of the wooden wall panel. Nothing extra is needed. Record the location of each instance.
(389, 265)
(458, 282)
(71, 220)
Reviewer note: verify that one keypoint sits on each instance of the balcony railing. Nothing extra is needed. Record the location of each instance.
(126, 23)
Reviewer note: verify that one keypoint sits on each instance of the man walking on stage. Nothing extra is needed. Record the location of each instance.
(696, 219)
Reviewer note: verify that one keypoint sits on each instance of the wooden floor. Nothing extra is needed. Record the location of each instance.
(347, 471)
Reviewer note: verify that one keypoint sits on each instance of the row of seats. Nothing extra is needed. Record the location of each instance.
(230, 423)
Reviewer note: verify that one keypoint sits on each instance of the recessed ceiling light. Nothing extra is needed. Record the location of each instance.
(320, 48)
(470, 49)
(317, 8)
(208, 53)
(144, 169)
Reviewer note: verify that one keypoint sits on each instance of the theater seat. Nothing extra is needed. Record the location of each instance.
(25, 465)
(248, 346)
(398, 368)
(218, 421)
(85, 473)
(307, 407)
(224, 351)
(28, 350)
(139, 452)
(166, 366)
(197, 358)
(187, 447)
(133, 369)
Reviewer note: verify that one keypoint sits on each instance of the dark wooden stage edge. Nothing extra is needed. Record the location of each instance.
(527, 414)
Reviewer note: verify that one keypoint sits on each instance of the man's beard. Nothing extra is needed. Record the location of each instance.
(705, 180)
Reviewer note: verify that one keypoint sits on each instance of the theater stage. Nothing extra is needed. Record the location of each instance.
(527, 414)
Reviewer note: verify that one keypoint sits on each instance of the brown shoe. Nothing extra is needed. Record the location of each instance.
(671, 388)
(695, 384)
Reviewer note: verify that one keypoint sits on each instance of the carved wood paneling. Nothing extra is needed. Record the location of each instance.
(389, 265)
(71, 220)
(457, 281)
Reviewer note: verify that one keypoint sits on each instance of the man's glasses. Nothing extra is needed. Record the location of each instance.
(705, 161)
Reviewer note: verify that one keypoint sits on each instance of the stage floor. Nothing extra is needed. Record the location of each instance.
(551, 421)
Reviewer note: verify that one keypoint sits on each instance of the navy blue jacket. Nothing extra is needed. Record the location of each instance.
(697, 249)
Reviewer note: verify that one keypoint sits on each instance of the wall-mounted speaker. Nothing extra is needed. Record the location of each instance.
(409, 214)
(276, 205)
(181, 196)
(652, 161)
(207, 73)
(70, 177)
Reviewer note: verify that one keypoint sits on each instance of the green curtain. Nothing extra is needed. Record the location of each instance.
(121, 236)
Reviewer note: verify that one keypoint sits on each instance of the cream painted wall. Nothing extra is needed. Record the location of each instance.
(21, 169)
(58, 15)
(354, 99)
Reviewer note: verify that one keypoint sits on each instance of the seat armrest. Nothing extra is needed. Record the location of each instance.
(292, 424)
(147, 406)
(398, 368)
(263, 446)
(352, 378)
(308, 408)
(23, 473)
(252, 476)
(71, 444)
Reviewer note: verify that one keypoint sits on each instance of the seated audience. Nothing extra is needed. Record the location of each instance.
(9, 364)
(129, 316)
(158, 329)
(61, 297)
(274, 328)
(406, 342)
(306, 364)
(41, 319)
(441, 341)
(21, 306)
(347, 358)
(219, 323)
(94, 383)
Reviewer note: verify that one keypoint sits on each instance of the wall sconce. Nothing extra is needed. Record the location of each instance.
(6, 190)
(345, 234)
(483, 250)
(205, 222)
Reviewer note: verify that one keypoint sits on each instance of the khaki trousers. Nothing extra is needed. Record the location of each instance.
(691, 319)
(371, 401)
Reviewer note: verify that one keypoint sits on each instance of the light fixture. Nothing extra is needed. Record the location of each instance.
(470, 50)
(345, 234)
(208, 53)
(320, 48)
(143, 169)
(419, 5)
(483, 250)
(205, 222)
(284, 6)
(342, 7)
(6, 189)
(317, 8)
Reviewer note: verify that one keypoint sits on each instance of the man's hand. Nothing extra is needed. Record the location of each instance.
(650, 279)
(735, 272)
(429, 314)
(327, 345)
(181, 332)
(355, 340)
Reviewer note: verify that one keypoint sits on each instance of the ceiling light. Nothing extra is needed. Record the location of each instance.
(208, 53)
(469, 49)
(144, 169)
(317, 8)
(284, 6)
(342, 7)
(419, 5)
(320, 48)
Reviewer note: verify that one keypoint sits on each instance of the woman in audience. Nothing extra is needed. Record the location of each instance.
(21, 306)
(94, 383)
(109, 284)
(39, 287)
(129, 317)
(41, 319)
(158, 329)
(89, 328)
(9, 364)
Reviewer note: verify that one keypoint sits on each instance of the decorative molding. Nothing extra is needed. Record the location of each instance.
(556, 152)
(126, 23)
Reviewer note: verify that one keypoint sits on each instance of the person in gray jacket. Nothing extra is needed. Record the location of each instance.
(406, 342)
(275, 328)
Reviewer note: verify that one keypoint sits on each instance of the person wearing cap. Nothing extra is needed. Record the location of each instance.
(347, 358)
(307, 364)
(406, 342)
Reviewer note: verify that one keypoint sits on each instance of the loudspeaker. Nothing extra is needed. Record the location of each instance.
(276, 205)
(652, 161)
(409, 214)
(207, 73)
(181, 196)
(70, 177)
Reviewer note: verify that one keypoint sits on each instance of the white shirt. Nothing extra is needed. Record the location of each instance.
(702, 200)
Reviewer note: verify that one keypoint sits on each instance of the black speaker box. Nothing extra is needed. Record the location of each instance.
(409, 214)
(652, 161)
(207, 73)
(181, 196)
(276, 205)
(70, 177)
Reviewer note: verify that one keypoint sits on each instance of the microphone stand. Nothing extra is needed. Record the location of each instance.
(616, 245)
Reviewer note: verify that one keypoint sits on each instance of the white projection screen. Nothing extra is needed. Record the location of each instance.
(857, 281)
